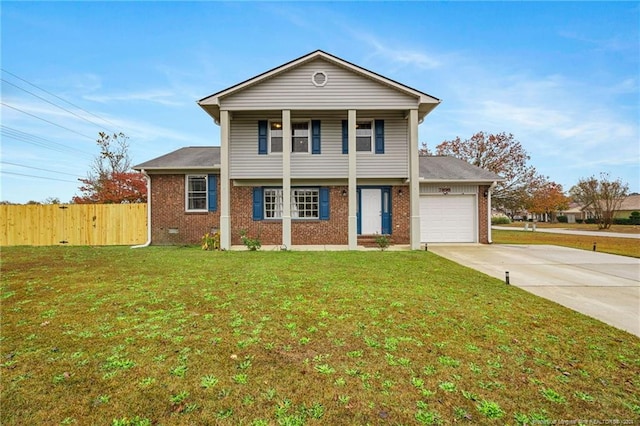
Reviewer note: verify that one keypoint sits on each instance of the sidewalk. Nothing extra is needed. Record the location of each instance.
(569, 231)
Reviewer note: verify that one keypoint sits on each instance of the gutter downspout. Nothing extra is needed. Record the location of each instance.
(146, 244)
(489, 239)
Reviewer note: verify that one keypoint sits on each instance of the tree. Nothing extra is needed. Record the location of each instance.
(603, 196)
(503, 155)
(547, 198)
(111, 180)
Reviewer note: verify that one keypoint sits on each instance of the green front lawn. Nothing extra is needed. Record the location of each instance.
(181, 336)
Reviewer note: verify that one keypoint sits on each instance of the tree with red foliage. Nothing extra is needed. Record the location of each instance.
(111, 180)
(548, 198)
(503, 155)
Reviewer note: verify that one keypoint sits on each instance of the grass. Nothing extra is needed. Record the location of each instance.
(626, 229)
(169, 336)
(622, 246)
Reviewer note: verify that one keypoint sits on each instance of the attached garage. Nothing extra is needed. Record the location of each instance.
(450, 218)
(455, 201)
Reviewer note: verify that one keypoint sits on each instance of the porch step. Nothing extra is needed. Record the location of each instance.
(370, 240)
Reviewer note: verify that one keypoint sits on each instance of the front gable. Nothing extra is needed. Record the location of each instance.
(340, 88)
(318, 81)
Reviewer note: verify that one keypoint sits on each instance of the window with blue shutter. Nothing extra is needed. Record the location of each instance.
(257, 203)
(212, 192)
(379, 136)
(315, 136)
(345, 136)
(324, 204)
(262, 137)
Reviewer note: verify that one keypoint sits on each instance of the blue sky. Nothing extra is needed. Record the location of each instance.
(561, 76)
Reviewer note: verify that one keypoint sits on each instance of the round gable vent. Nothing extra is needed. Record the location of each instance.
(319, 78)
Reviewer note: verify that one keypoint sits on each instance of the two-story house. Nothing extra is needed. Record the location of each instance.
(318, 151)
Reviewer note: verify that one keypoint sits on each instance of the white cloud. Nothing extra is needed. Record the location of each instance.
(159, 96)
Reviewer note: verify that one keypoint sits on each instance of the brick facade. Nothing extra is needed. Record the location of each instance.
(171, 224)
(313, 232)
(168, 213)
(483, 220)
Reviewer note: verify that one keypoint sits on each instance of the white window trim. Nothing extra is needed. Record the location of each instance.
(186, 193)
(293, 206)
(373, 137)
(298, 120)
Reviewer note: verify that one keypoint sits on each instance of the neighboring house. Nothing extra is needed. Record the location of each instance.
(629, 205)
(318, 151)
(573, 213)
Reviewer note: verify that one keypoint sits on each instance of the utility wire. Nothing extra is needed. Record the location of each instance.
(38, 177)
(30, 138)
(54, 104)
(58, 97)
(37, 168)
(47, 121)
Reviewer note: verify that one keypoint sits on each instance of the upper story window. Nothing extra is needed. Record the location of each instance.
(196, 193)
(364, 136)
(275, 136)
(299, 136)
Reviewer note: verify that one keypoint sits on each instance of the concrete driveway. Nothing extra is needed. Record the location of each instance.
(603, 286)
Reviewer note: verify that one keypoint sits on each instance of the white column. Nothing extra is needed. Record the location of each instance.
(414, 176)
(286, 178)
(353, 194)
(225, 196)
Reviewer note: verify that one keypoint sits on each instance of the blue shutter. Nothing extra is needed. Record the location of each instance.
(345, 137)
(257, 203)
(315, 137)
(324, 203)
(262, 137)
(212, 186)
(379, 136)
(386, 211)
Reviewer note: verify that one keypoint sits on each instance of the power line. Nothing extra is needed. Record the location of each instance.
(58, 97)
(37, 168)
(47, 121)
(54, 104)
(38, 177)
(32, 139)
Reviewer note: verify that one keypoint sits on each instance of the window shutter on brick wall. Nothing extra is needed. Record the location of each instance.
(262, 137)
(257, 203)
(315, 136)
(345, 137)
(324, 203)
(212, 184)
(379, 136)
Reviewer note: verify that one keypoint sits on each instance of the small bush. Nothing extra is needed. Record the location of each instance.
(500, 220)
(382, 241)
(210, 241)
(579, 220)
(622, 221)
(634, 217)
(562, 219)
(591, 221)
(252, 244)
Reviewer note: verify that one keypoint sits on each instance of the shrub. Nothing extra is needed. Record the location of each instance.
(500, 220)
(622, 221)
(591, 221)
(382, 241)
(562, 219)
(252, 244)
(579, 220)
(634, 217)
(210, 241)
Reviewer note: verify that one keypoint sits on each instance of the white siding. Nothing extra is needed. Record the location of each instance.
(294, 89)
(246, 163)
(434, 188)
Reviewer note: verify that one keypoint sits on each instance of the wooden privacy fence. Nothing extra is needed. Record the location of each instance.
(73, 224)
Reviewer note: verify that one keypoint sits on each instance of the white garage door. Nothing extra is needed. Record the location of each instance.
(448, 219)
